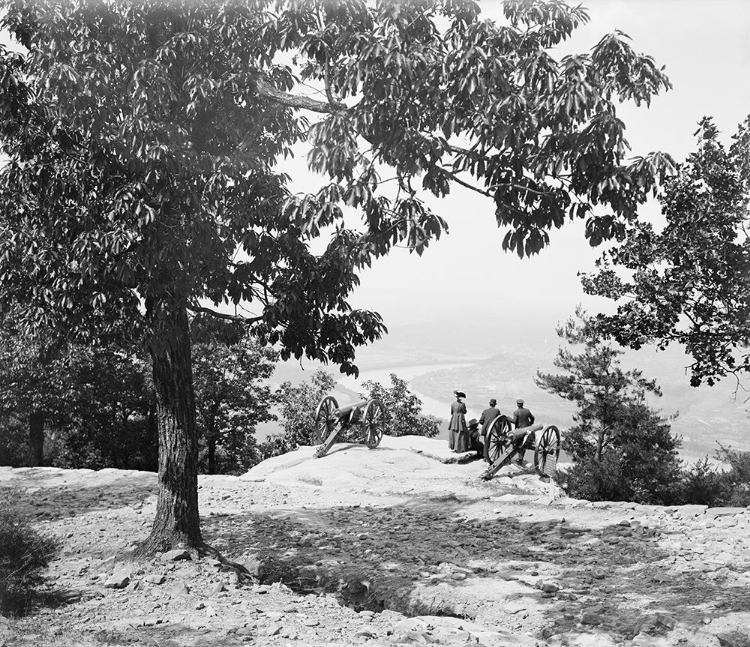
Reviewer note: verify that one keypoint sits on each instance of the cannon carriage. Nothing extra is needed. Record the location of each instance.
(501, 448)
(363, 421)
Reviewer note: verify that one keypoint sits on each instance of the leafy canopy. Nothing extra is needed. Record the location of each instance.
(143, 136)
(690, 282)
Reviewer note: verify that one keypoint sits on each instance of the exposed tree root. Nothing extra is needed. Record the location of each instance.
(146, 550)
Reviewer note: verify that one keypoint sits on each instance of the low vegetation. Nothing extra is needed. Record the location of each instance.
(24, 554)
(726, 485)
(403, 409)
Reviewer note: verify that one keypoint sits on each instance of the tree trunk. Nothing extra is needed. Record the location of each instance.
(599, 446)
(36, 437)
(177, 523)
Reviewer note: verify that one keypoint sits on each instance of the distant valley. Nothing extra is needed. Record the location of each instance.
(489, 358)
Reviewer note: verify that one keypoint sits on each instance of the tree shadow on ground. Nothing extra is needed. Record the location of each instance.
(49, 498)
(22, 602)
(392, 557)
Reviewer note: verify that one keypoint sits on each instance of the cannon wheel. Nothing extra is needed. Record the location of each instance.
(373, 421)
(325, 420)
(547, 449)
(499, 439)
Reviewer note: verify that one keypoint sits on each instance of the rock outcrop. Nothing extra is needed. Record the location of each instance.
(381, 547)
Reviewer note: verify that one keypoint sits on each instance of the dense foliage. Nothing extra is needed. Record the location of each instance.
(232, 394)
(622, 449)
(142, 139)
(93, 402)
(109, 417)
(97, 407)
(403, 409)
(690, 281)
(32, 382)
(297, 407)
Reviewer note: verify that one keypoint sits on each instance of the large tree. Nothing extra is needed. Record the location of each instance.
(689, 281)
(143, 138)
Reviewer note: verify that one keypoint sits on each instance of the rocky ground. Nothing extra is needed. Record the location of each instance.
(382, 547)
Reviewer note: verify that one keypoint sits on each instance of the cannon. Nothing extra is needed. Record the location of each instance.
(501, 449)
(364, 420)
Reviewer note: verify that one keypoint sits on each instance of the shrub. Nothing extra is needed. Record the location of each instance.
(702, 485)
(594, 480)
(640, 462)
(14, 446)
(729, 485)
(736, 479)
(403, 409)
(24, 554)
(298, 405)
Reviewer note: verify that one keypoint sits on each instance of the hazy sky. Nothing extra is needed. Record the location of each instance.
(705, 46)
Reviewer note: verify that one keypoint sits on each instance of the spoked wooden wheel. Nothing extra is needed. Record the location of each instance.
(325, 421)
(373, 422)
(547, 451)
(499, 439)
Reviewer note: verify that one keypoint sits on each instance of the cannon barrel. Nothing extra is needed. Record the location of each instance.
(344, 410)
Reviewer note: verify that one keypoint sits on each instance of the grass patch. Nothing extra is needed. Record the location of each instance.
(24, 555)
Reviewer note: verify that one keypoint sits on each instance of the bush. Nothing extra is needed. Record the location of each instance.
(24, 554)
(642, 479)
(639, 461)
(297, 405)
(718, 487)
(594, 480)
(702, 485)
(129, 445)
(403, 409)
(14, 446)
(736, 479)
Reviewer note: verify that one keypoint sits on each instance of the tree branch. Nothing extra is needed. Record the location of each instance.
(267, 91)
(222, 315)
(488, 191)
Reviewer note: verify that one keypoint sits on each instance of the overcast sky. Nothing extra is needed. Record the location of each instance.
(705, 46)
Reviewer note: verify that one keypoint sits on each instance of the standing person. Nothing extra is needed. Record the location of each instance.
(457, 426)
(488, 415)
(522, 417)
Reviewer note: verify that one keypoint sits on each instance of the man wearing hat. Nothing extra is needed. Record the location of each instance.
(475, 442)
(522, 417)
(488, 415)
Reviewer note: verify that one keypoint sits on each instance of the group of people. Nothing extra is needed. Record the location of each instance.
(472, 436)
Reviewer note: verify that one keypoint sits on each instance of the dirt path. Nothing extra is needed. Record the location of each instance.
(380, 556)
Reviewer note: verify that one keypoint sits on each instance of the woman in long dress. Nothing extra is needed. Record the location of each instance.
(458, 433)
